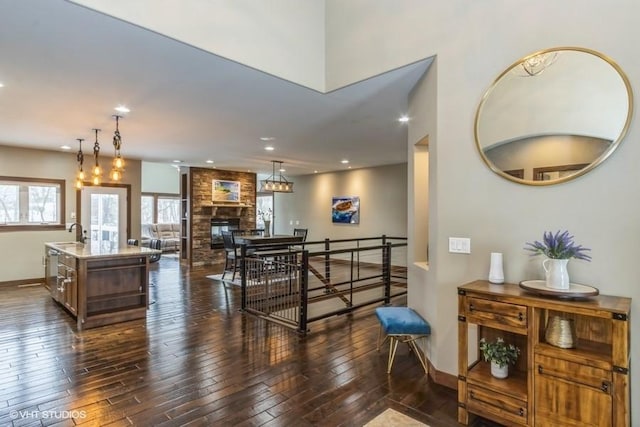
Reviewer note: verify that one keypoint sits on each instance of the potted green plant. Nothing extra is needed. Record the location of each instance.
(500, 354)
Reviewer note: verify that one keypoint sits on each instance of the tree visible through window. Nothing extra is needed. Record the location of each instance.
(168, 210)
(43, 203)
(9, 203)
(147, 212)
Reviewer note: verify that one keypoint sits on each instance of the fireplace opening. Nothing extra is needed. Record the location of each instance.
(218, 225)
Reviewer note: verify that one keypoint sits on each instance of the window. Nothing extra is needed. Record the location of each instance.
(264, 203)
(160, 208)
(31, 203)
(168, 210)
(148, 211)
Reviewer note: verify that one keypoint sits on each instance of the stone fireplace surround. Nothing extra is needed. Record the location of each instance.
(201, 211)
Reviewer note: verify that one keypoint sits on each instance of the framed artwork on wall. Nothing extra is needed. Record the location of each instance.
(226, 191)
(345, 210)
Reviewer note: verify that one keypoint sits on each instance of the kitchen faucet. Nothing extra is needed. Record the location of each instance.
(79, 232)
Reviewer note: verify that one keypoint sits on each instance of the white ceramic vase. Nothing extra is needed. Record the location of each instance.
(557, 276)
(498, 371)
(496, 273)
(267, 228)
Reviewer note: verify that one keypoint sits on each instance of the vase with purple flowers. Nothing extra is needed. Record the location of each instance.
(558, 248)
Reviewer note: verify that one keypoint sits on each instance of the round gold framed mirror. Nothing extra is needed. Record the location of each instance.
(553, 115)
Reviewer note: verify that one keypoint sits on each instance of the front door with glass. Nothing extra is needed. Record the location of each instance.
(104, 216)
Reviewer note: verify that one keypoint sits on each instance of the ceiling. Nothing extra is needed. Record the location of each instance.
(65, 67)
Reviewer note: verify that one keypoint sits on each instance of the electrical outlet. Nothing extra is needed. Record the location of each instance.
(460, 245)
(73, 215)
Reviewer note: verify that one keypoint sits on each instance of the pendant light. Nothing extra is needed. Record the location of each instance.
(97, 170)
(277, 183)
(118, 161)
(80, 158)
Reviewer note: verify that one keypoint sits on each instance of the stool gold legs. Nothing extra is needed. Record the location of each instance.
(393, 347)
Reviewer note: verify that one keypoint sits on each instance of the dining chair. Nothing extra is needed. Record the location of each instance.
(155, 244)
(231, 254)
(301, 232)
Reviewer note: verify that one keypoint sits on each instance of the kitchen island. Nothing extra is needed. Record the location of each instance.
(96, 285)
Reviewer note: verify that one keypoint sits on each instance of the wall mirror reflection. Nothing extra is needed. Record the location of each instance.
(553, 115)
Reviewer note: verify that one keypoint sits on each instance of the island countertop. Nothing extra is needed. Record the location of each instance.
(87, 250)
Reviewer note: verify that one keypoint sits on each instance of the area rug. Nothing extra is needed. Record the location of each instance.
(227, 279)
(392, 418)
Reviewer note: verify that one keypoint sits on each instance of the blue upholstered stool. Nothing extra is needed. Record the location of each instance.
(402, 324)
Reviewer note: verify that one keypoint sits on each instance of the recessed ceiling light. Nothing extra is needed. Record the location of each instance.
(282, 170)
(269, 148)
(65, 147)
(344, 161)
(1, 84)
(403, 119)
(209, 161)
(122, 109)
(177, 161)
(315, 171)
(349, 167)
(267, 138)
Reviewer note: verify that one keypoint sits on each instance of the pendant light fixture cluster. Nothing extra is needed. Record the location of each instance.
(277, 183)
(96, 172)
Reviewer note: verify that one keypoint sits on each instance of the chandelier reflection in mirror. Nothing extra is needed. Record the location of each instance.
(277, 183)
(80, 158)
(536, 64)
(97, 170)
(118, 161)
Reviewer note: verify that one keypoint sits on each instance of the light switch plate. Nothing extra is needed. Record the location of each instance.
(460, 245)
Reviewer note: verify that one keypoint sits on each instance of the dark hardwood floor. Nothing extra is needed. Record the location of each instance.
(198, 360)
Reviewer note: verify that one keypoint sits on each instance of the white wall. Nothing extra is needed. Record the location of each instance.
(280, 37)
(383, 203)
(160, 178)
(21, 251)
(474, 42)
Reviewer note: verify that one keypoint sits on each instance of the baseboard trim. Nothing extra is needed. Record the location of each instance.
(442, 378)
(20, 282)
(439, 377)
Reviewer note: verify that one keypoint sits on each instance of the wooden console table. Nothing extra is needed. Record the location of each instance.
(583, 386)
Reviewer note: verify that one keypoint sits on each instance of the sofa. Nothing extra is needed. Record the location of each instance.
(169, 235)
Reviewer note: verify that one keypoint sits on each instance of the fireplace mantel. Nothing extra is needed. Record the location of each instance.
(237, 206)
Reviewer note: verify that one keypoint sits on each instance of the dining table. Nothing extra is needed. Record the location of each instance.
(258, 242)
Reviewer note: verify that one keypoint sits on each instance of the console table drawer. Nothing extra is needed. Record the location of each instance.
(495, 314)
(481, 400)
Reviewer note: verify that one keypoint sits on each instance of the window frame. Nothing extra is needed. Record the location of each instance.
(157, 196)
(60, 183)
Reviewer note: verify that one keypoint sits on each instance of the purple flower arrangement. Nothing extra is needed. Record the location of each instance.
(558, 246)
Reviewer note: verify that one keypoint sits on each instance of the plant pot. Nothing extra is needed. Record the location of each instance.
(499, 372)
